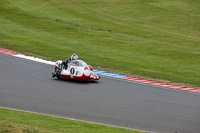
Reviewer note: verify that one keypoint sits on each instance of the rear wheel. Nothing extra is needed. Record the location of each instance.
(57, 73)
(59, 77)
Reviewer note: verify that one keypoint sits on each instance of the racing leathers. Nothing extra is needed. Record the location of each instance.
(65, 63)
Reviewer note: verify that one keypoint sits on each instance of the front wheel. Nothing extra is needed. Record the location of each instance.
(53, 74)
(58, 75)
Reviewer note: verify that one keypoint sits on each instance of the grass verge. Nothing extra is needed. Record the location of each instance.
(21, 122)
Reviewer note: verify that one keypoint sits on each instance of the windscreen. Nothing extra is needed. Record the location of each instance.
(78, 63)
(83, 64)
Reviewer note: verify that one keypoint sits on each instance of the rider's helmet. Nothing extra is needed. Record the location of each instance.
(74, 57)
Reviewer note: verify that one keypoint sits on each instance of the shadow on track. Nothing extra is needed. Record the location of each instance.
(75, 81)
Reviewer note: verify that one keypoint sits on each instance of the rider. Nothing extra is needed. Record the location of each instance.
(65, 63)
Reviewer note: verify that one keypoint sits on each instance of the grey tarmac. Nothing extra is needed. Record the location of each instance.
(28, 85)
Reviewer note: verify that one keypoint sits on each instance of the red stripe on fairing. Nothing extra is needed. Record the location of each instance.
(162, 84)
(7, 52)
(85, 78)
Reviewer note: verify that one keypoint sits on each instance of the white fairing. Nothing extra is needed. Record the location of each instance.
(74, 70)
(65, 72)
(79, 71)
(87, 72)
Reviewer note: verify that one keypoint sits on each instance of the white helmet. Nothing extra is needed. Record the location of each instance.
(74, 57)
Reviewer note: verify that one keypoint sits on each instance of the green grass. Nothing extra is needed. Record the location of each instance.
(21, 122)
(154, 39)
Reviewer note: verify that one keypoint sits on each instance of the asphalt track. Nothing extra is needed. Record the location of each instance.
(27, 85)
